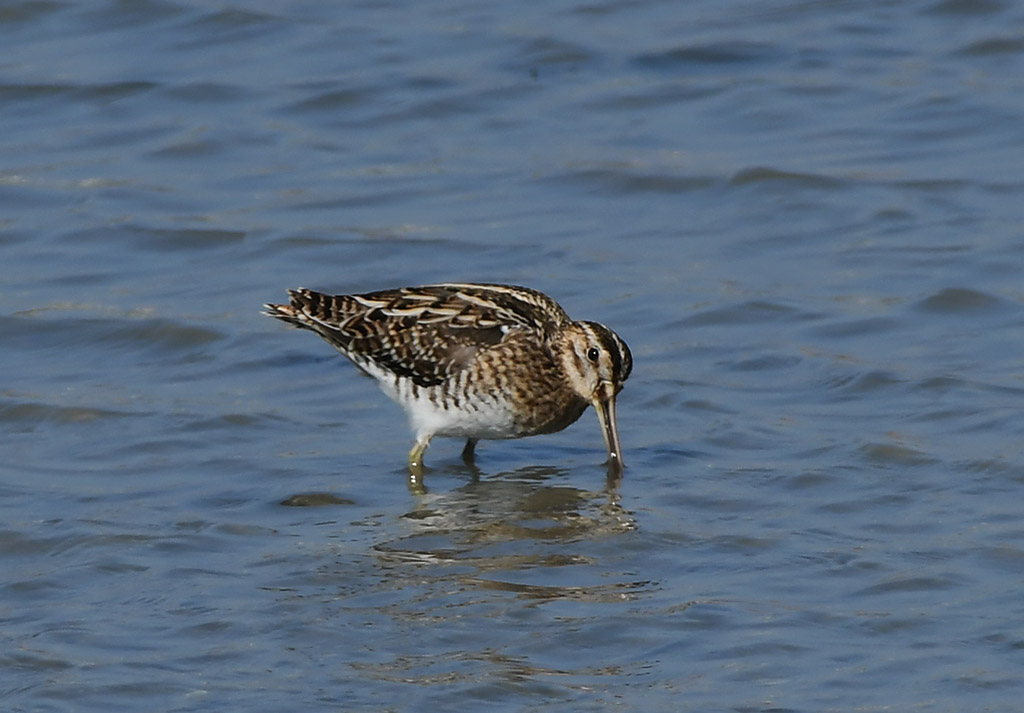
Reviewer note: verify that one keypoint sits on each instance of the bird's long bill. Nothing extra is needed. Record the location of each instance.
(604, 404)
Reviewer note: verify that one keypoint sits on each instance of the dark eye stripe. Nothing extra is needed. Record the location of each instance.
(622, 361)
(609, 345)
(625, 359)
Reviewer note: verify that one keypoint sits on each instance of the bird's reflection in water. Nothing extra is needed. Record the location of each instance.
(494, 529)
(521, 504)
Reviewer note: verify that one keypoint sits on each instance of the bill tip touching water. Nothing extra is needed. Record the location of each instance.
(473, 361)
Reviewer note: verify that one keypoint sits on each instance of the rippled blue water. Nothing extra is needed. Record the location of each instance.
(804, 217)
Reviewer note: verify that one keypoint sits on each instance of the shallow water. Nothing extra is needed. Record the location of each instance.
(804, 218)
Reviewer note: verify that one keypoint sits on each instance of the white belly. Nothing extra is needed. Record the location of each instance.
(476, 421)
(474, 418)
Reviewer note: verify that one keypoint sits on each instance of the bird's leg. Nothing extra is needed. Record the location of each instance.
(416, 454)
(416, 464)
(469, 451)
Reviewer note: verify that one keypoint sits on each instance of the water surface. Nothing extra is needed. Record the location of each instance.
(804, 218)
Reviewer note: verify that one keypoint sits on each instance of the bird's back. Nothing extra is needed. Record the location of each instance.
(424, 334)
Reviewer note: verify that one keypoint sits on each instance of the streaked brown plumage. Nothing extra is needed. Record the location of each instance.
(473, 360)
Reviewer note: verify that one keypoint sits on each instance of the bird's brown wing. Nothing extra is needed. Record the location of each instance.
(424, 333)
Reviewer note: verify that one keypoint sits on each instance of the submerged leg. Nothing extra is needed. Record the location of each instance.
(416, 454)
(416, 464)
(469, 451)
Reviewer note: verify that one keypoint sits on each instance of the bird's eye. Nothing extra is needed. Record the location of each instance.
(593, 354)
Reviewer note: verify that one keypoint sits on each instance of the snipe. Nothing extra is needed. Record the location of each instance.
(475, 361)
